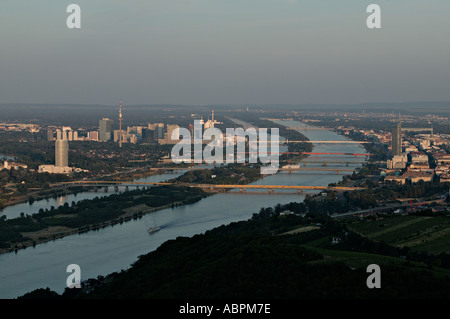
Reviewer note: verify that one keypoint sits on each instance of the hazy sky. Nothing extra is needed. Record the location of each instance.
(224, 52)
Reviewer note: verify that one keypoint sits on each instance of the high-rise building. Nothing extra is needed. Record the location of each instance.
(397, 139)
(50, 135)
(62, 151)
(120, 125)
(175, 129)
(93, 135)
(198, 128)
(105, 129)
(159, 130)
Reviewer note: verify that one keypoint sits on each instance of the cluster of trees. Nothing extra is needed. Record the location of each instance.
(31, 178)
(229, 174)
(332, 203)
(420, 189)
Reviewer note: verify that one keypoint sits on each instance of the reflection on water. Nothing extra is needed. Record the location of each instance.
(114, 248)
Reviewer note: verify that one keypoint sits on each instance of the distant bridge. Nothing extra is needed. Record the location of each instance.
(287, 169)
(349, 154)
(326, 142)
(306, 128)
(242, 188)
(306, 153)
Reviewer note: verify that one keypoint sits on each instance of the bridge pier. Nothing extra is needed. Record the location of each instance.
(106, 189)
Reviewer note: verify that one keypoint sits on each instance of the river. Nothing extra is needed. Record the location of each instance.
(115, 248)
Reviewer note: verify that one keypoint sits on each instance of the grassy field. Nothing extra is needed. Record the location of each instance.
(421, 233)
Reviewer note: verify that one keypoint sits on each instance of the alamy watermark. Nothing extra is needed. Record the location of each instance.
(74, 279)
(235, 138)
(74, 19)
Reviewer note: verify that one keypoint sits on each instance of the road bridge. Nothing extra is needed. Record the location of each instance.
(326, 142)
(212, 187)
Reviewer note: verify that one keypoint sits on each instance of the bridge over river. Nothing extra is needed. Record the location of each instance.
(211, 187)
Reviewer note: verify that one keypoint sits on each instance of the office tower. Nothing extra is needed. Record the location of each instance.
(105, 129)
(175, 129)
(397, 139)
(62, 151)
(120, 124)
(93, 135)
(159, 131)
(198, 128)
(50, 136)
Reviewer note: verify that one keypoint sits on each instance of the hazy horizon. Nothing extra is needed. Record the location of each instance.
(209, 52)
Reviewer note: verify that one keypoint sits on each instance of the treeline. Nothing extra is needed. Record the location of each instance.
(420, 189)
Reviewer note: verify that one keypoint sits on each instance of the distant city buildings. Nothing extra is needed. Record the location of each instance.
(12, 165)
(397, 162)
(423, 155)
(153, 133)
(19, 127)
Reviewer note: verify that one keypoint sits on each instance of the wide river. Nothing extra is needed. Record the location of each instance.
(112, 249)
